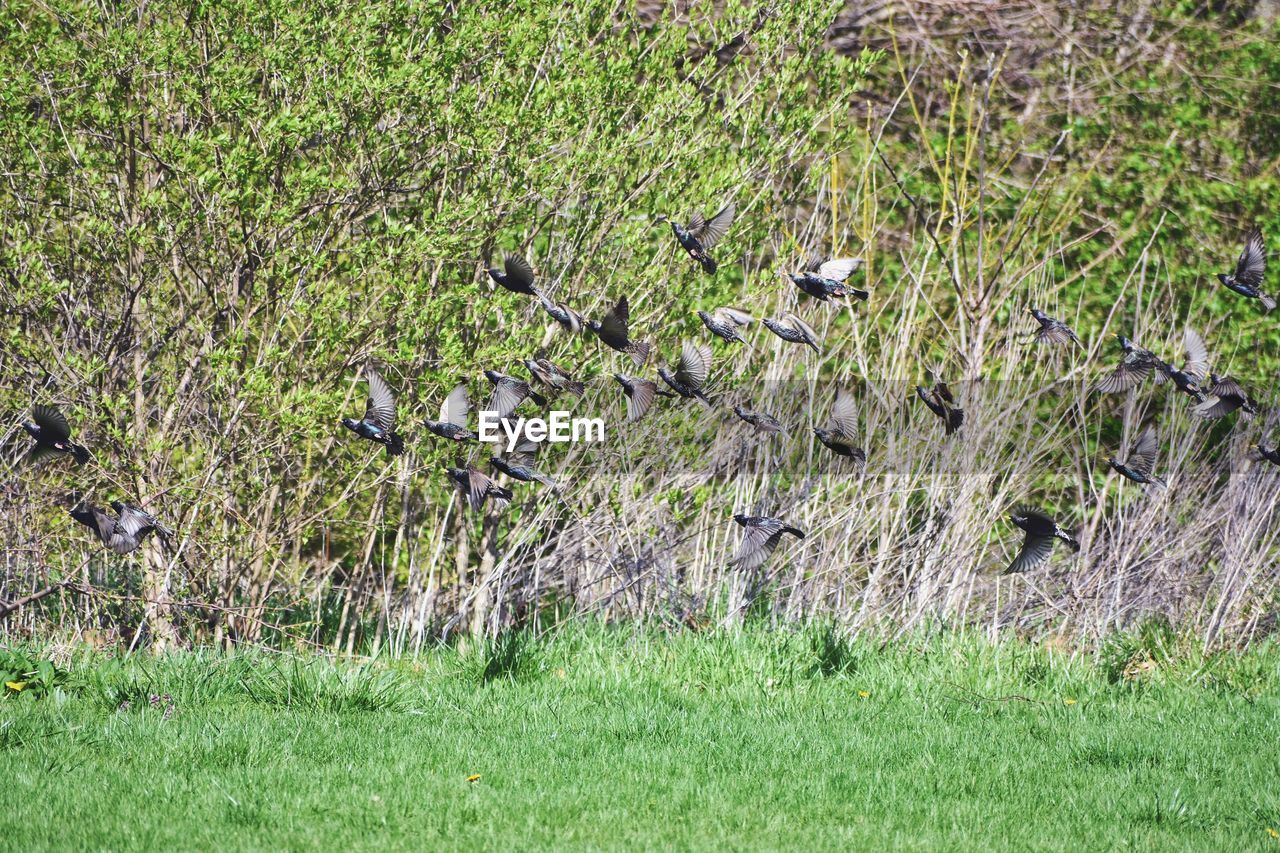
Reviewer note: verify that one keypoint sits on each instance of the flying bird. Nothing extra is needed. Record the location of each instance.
(519, 464)
(691, 371)
(612, 331)
(1195, 370)
(1136, 366)
(509, 393)
(571, 321)
(453, 417)
(553, 376)
(1251, 266)
(942, 403)
(124, 531)
(700, 236)
(478, 486)
(379, 421)
(1052, 331)
(838, 436)
(516, 275)
(763, 422)
(1037, 545)
(823, 279)
(793, 330)
(52, 435)
(1225, 396)
(724, 323)
(1262, 452)
(762, 535)
(1141, 459)
(640, 394)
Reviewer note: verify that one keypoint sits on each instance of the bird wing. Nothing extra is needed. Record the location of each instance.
(1228, 387)
(1142, 453)
(709, 232)
(694, 364)
(456, 406)
(640, 398)
(508, 393)
(615, 322)
(518, 270)
(844, 414)
(133, 522)
(51, 422)
(477, 487)
(1197, 365)
(1217, 407)
(1125, 376)
(1252, 263)
(758, 542)
(1035, 550)
(380, 410)
(104, 524)
(802, 326)
(735, 315)
(1053, 332)
(814, 263)
(838, 269)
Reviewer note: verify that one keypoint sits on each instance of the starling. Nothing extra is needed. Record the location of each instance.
(724, 323)
(478, 486)
(612, 330)
(570, 320)
(509, 393)
(824, 279)
(1195, 370)
(124, 532)
(1225, 396)
(553, 376)
(794, 330)
(1261, 452)
(453, 417)
(519, 464)
(700, 236)
(379, 422)
(1052, 331)
(691, 371)
(52, 436)
(640, 394)
(1140, 459)
(516, 275)
(1041, 530)
(838, 436)
(941, 402)
(761, 538)
(1136, 366)
(762, 422)
(1250, 268)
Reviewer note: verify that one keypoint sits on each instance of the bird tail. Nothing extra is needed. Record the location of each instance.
(575, 388)
(955, 419)
(794, 531)
(708, 263)
(395, 444)
(1070, 538)
(709, 402)
(501, 496)
(1157, 481)
(538, 399)
(639, 353)
(81, 453)
(1268, 302)
(815, 347)
(861, 294)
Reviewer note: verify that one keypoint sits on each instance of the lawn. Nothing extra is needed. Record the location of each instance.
(620, 739)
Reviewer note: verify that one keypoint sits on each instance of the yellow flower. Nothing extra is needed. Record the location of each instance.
(15, 686)
(1273, 833)
(863, 694)
(474, 777)
(1068, 701)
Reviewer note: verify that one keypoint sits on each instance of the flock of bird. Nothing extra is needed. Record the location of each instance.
(823, 280)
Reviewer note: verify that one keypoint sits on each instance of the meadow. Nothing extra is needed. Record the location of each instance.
(618, 738)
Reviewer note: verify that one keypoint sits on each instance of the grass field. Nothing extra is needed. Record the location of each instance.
(611, 739)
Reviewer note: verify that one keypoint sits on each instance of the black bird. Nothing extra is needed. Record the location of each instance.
(761, 537)
(1136, 366)
(1140, 459)
(509, 393)
(700, 236)
(519, 464)
(612, 331)
(125, 531)
(1037, 545)
(724, 323)
(762, 422)
(1225, 396)
(823, 279)
(640, 394)
(793, 330)
(52, 436)
(838, 436)
(379, 422)
(478, 486)
(453, 417)
(1052, 331)
(691, 371)
(943, 404)
(553, 376)
(1251, 266)
(1261, 452)
(516, 275)
(1195, 370)
(570, 320)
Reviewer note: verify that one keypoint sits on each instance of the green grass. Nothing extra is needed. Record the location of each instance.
(608, 739)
